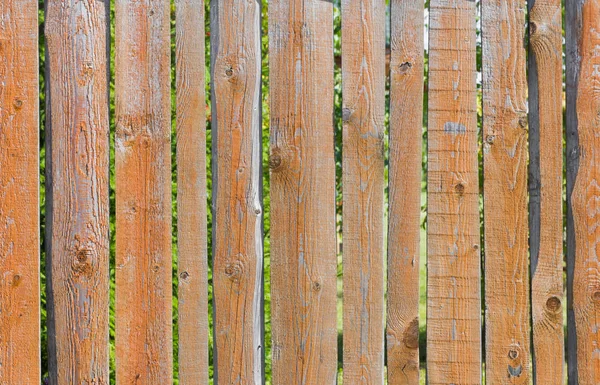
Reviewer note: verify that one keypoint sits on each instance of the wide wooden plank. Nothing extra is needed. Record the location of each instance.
(77, 211)
(505, 191)
(19, 194)
(237, 189)
(303, 239)
(583, 61)
(363, 89)
(406, 130)
(191, 193)
(454, 294)
(144, 347)
(545, 189)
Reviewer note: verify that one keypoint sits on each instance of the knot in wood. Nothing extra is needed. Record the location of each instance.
(16, 280)
(184, 275)
(275, 161)
(405, 67)
(316, 286)
(553, 304)
(18, 103)
(346, 114)
(596, 296)
(490, 139)
(410, 337)
(459, 188)
(523, 122)
(234, 271)
(513, 354)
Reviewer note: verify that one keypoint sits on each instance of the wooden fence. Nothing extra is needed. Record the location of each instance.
(520, 285)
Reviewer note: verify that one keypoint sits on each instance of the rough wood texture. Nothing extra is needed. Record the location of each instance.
(191, 193)
(303, 240)
(237, 187)
(363, 80)
(545, 189)
(77, 164)
(573, 62)
(505, 191)
(583, 62)
(454, 293)
(19, 194)
(144, 348)
(406, 130)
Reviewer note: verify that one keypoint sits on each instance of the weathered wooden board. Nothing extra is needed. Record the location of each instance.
(583, 61)
(77, 165)
(191, 193)
(363, 89)
(144, 348)
(406, 130)
(237, 187)
(453, 288)
(505, 192)
(545, 189)
(19, 194)
(303, 239)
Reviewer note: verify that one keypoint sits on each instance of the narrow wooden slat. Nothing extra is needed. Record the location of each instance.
(406, 130)
(545, 189)
(505, 191)
(144, 348)
(191, 193)
(583, 62)
(19, 194)
(237, 187)
(303, 239)
(77, 183)
(363, 81)
(454, 294)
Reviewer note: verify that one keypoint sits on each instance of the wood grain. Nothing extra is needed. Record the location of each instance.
(191, 193)
(19, 194)
(77, 183)
(237, 188)
(583, 61)
(144, 348)
(405, 173)
(505, 191)
(303, 237)
(453, 288)
(363, 89)
(545, 189)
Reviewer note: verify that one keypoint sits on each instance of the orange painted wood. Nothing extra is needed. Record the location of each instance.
(406, 130)
(237, 189)
(453, 286)
(363, 81)
(505, 192)
(583, 61)
(546, 214)
(77, 165)
(144, 348)
(191, 193)
(19, 194)
(303, 234)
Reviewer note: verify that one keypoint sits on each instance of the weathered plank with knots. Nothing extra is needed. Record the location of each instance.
(144, 348)
(406, 131)
(583, 104)
(19, 194)
(545, 189)
(505, 191)
(363, 81)
(77, 186)
(303, 239)
(191, 193)
(453, 288)
(237, 187)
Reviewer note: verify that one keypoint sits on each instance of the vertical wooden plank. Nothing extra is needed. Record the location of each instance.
(77, 190)
(545, 189)
(363, 81)
(191, 193)
(505, 191)
(583, 61)
(19, 194)
(406, 130)
(453, 286)
(237, 186)
(144, 346)
(303, 243)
